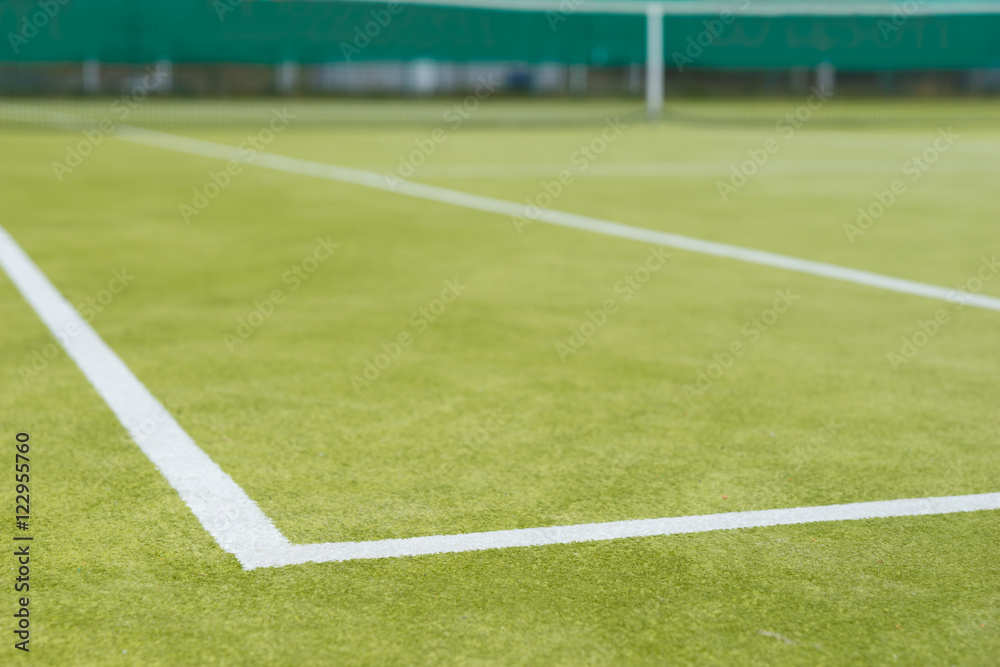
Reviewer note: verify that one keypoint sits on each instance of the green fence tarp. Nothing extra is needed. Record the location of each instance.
(259, 32)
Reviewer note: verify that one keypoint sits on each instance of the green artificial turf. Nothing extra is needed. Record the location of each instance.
(124, 573)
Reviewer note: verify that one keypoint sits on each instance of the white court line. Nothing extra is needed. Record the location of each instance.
(434, 193)
(225, 511)
(241, 529)
(614, 530)
(702, 169)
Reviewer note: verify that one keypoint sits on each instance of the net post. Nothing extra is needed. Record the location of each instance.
(654, 61)
(164, 75)
(578, 79)
(287, 77)
(92, 76)
(826, 76)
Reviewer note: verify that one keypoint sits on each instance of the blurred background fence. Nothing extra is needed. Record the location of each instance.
(669, 57)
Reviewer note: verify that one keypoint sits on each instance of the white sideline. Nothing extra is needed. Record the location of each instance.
(225, 511)
(240, 528)
(434, 193)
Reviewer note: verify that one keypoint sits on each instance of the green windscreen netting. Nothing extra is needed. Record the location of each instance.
(224, 61)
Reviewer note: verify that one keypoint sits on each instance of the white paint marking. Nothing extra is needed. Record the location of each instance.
(225, 511)
(783, 168)
(490, 205)
(614, 530)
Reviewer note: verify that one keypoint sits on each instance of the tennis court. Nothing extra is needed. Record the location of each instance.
(479, 423)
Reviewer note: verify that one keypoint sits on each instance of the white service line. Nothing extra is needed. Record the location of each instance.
(434, 193)
(693, 169)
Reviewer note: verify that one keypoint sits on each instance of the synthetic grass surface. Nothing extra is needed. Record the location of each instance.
(607, 434)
